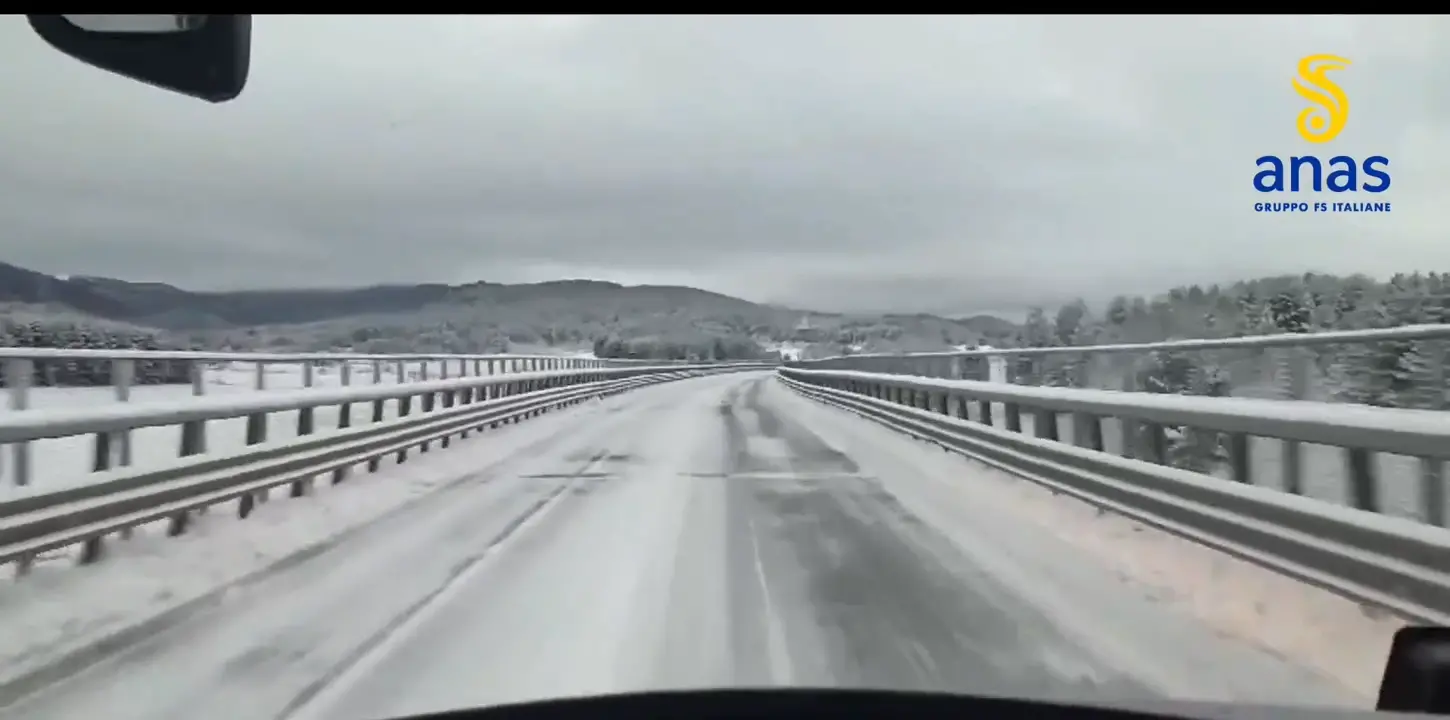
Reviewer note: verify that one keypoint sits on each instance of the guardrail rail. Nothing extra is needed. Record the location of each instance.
(1385, 561)
(118, 498)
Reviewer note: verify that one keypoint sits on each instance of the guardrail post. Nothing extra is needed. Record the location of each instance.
(376, 461)
(304, 415)
(1296, 367)
(193, 442)
(259, 381)
(377, 405)
(101, 452)
(1240, 458)
(193, 438)
(428, 400)
(344, 411)
(125, 375)
(305, 427)
(1087, 431)
(511, 390)
(1129, 428)
(464, 395)
(1432, 470)
(118, 444)
(19, 374)
(1142, 440)
(1155, 443)
(469, 396)
(344, 416)
(492, 391)
(256, 435)
(256, 428)
(1432, 490)
(193, 432)
(405, 404)
(1363, 492)
(449, 397)
(1044, 424)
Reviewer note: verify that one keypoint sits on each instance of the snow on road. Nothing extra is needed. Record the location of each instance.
(716, 531)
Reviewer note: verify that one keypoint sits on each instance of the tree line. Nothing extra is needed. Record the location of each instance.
(717, 348)
(1398, 374)
(76, 372)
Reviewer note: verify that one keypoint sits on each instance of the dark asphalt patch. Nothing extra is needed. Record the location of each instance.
(892, 602)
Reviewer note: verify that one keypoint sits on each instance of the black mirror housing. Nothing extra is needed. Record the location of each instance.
(1417, 673)
(209, 61)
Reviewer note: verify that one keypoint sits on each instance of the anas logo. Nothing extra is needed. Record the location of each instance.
(1325, 119)
(1320, 123)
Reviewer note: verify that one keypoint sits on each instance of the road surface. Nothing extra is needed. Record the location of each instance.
(696, 535)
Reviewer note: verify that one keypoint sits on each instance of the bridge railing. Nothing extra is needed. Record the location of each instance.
(1390, 561)
(164, 375)
(1282, 366)
(428, 413)
(1402, 367)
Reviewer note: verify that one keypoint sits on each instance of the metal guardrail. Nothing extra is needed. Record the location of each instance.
(120, 499)
(1282, 340)
(1292, 359)
(20, 367)
(1389, 562)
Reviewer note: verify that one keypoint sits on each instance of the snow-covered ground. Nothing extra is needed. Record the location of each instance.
(717, 531)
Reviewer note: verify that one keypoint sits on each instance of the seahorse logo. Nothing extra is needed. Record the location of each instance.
(1322, 121)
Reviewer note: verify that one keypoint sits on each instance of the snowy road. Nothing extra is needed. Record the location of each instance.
(717, 531)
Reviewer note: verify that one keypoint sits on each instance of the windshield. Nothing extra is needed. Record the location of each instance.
(477, 199)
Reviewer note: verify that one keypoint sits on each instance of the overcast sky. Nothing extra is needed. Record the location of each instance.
(937, 164)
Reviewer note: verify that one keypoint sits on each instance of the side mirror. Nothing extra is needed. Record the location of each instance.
(204, 56)
(1417, 674)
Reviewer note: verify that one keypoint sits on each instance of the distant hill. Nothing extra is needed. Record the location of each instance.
(472, 317)
(991, 327)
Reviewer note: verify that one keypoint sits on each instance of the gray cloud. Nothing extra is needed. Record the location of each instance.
(840, 163)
